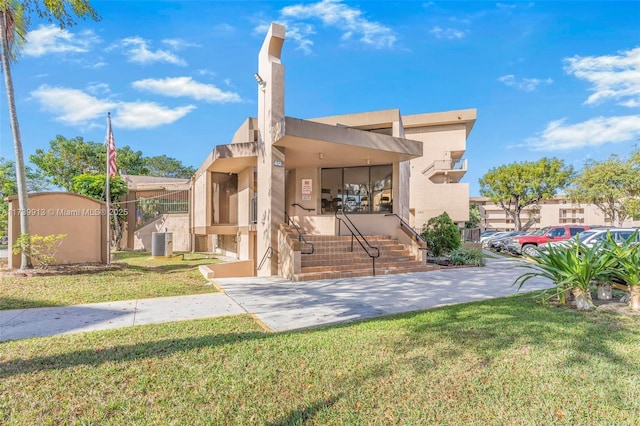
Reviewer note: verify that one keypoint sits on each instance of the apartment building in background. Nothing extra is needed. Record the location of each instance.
(556, 211)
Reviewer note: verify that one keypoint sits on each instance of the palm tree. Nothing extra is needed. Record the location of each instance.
(13, 28)
(12, 36)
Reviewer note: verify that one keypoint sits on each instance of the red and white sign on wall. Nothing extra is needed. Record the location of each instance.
(307, 186)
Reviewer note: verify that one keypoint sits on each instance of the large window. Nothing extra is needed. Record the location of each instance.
(365, 189)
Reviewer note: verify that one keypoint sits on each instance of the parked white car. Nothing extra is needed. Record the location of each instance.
(592, 236)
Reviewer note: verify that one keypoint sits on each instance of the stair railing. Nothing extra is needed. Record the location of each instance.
(303, 207)
(300, 235)
(411, 232)
(267, 255)
(372, 251)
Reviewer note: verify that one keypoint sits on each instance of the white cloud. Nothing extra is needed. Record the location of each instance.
(593, 132)
(332, 13)
(612, 77)
(447, 33)
(186, 87)
(136, 48)
(77, 108)
(71, 106)
(51, 39)
(146, 115)
(178, 44)
(525, 84)
(98, 88)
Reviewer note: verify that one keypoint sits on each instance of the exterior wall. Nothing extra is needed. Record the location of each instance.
(245, 194)
(429, 199)
(178, 224)
(557, 211)
(270, 158)
(435, 199)
(201, 200)
(81, 218)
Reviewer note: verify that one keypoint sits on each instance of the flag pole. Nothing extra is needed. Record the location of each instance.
(108, 189)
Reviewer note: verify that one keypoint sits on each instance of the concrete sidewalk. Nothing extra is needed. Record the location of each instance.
(24, 323)
(281, 304)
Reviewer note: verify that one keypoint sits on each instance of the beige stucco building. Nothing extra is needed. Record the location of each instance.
(556, 211)
(378, 167)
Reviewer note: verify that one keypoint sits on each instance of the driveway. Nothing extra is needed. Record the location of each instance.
(285, 305)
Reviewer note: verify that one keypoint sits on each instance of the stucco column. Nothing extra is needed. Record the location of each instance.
(401, 186)
(270, 159)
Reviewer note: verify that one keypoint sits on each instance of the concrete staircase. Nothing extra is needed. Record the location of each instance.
(333, 258)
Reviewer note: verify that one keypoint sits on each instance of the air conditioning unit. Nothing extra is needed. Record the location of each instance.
(162, 244)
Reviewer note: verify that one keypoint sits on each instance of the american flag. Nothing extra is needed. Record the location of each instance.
(112, 166)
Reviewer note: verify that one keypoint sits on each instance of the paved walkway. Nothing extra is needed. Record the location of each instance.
(281, 304)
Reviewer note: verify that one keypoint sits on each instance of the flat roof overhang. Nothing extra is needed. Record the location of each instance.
(231, 158)
(305, 142)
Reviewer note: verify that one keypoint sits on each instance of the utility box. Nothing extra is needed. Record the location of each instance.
(168, 244)
(161, 244)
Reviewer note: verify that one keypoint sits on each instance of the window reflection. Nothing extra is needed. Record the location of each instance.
(364, 189)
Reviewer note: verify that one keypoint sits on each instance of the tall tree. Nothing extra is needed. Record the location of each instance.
(518, 185)
(611, 185)
(14, 19)
(164, 166)
(67, 158)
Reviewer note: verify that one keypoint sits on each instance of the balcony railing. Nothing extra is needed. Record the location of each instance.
(441, 166)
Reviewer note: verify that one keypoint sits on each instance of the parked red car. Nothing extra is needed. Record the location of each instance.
(528, 244)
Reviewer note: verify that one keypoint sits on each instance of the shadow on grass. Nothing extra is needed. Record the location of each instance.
(8, 303)
(124, 353)
(306, 413)
(492, 327)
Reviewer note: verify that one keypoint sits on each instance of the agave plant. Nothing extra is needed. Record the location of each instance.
(571, 268)
(627, 267)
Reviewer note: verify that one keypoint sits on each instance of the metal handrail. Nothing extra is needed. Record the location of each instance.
(353, 229)
(267, 255)
(301, 237)
(408, 227)
(303, 207)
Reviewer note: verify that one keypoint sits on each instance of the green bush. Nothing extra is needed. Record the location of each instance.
(466, 256)
(441, 235)
(572, 268)
(43, 248)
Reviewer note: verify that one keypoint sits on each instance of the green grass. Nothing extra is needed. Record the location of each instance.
(500, 362)
(143, 278)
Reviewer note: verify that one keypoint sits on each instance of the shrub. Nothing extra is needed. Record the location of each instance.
(467, 256)
(441, 234)
(571, 268)
(43, 248)
(627, 267)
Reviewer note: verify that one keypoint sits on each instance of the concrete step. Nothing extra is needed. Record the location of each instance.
(348, 257)
(363, 264)
(362, 272)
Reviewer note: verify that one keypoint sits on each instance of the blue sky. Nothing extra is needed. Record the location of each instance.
(547, 78)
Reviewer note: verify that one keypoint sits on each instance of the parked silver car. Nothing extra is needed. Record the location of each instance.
(592, 236)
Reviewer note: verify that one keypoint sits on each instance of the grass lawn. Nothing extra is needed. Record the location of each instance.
(143, 278)
(502, 362)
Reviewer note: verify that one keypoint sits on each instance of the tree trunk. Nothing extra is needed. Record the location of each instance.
(583, 299)
(25, 259)
(635, 297)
